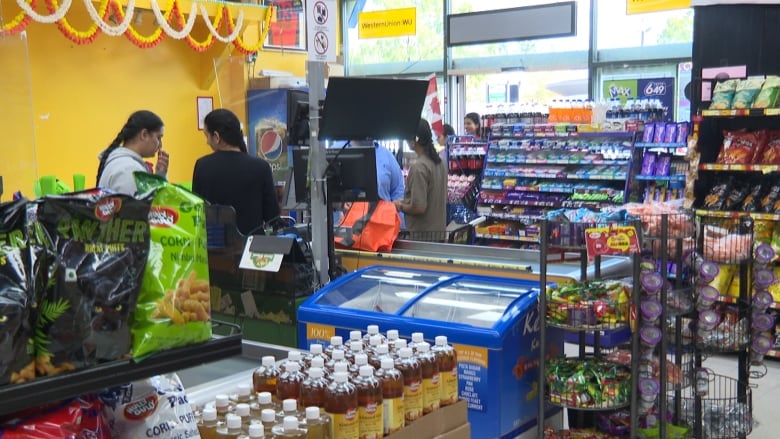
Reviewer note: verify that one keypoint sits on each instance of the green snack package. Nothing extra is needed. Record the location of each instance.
(746, 92)
(767, 97)
(723, 94)
(174, 306)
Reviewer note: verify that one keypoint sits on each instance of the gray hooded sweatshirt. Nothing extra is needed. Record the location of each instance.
(118, 172)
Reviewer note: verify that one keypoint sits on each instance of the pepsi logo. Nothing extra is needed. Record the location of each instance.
(271, 145)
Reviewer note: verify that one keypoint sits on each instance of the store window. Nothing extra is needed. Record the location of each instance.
(616, 30)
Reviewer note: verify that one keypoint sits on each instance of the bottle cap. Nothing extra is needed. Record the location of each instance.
(233, 421)
(399, 344)
(318, 362)
(375, 340)
(294, 356)
(405, 352)
(336, 341)
(392, 334)
(290, 423)
(268, 415)
(242, 409)
(382, 349)
(209, 414)
(341, 366)
(256, 430)
(264, 398)
(424, 347)
(417, 337)
(244, 390)
(361, 359)
(222, 401)
(312, 412)
(291, 366)
(356, 346)
(441, 340)
(355, 336)
(269, 361)
(289, 405)
(372, 329)
(366, 371)
(338, 355)
(316, 349)
(388, 363)
(315, 372)
(340, 377)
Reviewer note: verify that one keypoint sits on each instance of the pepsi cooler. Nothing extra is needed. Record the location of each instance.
(492, 322)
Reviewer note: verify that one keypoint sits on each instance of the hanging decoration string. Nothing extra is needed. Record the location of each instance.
(79, 37)
(48, 19)
(223, 12)
(247, 49)
(18, 24)
(163, 20)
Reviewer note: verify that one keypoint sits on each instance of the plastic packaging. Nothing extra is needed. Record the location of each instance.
(448, 370)
(207, 426)
(289, 429)
(370, 404)
(317, 425)
(341, 405)
(313, 389)
(289, 385)
(392, 396)
(266, 377)
(413, 394)
(431, 384)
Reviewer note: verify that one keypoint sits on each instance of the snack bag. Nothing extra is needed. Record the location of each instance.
(769, 199)
(767, 97)
(174, 306)
(770, 155)
(78, 418)
(723, 94)
(739, 147)
(156, 407)
(747, 89)
(716, 199)
(17, 364)
(100, 240)
(751, 201)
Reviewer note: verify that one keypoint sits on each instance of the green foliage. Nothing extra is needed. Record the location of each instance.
(677, 30)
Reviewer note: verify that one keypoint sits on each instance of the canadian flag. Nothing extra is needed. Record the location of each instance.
(432, 109)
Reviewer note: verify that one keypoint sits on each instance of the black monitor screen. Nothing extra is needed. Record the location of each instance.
(351, 174)
(372, 108)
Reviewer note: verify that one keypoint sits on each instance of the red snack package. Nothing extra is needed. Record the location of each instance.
(80, 418)
(770, 155)
(739, 147)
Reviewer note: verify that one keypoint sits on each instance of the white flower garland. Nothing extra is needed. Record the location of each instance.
(228, 39)
(113, 31)
(173, 33)
(58, 15)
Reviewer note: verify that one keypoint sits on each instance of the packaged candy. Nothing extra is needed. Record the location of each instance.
(723, 94)
(663, 165)
(767, 97)
(648, 163)
(739, 147)
(647, 134)
(670, 135)
(682, 132)
(747, 90)
(660, 132)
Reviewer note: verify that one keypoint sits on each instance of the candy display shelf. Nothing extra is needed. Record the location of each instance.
(733, 214)
(742, 113)
(660, 145)
(744, 168)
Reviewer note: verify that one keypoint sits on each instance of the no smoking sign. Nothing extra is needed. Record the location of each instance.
(321, 30)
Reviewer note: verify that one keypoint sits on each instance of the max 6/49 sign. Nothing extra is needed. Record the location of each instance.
(661, 89)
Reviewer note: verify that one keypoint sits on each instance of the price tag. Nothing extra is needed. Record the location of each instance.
(260, 261)
(613, 240)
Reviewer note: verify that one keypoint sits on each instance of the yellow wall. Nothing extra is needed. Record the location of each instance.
(82, 95)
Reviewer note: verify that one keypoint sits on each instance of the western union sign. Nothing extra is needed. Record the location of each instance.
(387, 23)
(642, 6)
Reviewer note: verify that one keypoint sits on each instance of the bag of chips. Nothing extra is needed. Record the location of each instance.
(716, 199)
(156, 407)
(751, 201)
(174, 307)
(767, 97)
(767, 204)
(17, 364)
(101, 242)
(75, 419)
(739, 147)
(723, 94)
(770, 155)
(747, 90)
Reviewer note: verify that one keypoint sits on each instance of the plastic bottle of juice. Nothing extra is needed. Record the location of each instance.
(264, 401)
(313, 389)
(355, 336)
(207, 427)
(289, 385)
(295, 357)
(289, 429)
(375, 359)
(268, 419)
(399, 344)
(242, 411)
(265, 377)
(370, 417)
(448, 370)
(392, 336)
(317, 424)
(372, 330)
(337, 356)
(373, 342)
(392, 396)
(243, 395)
(315, 351)
(289, 408)
(341, 404)
(417, 338)
(222, 404)
(360, 361)
(231, 429)
(255, 431)
(431, 379)
(412, 372)
(336, 344)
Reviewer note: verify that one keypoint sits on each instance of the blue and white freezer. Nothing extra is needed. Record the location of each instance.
(493, 323)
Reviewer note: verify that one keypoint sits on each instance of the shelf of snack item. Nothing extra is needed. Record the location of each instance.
(672, 178)
(558, 173)
(660, 145)
(465, 155)
(735, 214)
(745, 112)
(548, 187)
(530, 239)
(17, 397)
(739, 167)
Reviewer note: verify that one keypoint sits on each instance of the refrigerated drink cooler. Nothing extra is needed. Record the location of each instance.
(492, 322)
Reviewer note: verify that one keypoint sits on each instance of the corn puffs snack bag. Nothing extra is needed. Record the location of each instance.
(174, 307)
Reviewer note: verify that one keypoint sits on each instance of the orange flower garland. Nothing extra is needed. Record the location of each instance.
(222, 12)
(18, 24)
(248, 50)
(136, 38)
(79, 37)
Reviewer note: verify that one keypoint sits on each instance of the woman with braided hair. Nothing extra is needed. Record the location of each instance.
(139, 138)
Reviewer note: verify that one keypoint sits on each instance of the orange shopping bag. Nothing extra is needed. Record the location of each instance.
(369, 226)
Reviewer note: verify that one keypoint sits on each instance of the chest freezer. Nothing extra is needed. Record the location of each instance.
(492, 322)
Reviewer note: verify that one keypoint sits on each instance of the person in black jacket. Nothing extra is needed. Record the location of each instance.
(229, 176)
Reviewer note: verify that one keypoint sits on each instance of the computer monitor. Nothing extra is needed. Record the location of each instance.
(372, 108)
(351, 174)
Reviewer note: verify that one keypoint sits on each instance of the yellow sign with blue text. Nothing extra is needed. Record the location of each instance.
(642, 6)
(387, 23)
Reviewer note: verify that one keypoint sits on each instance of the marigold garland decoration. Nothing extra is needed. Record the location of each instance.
(108, 8)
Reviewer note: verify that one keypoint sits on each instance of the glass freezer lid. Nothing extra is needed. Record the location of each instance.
(380, 290)
(472, 302)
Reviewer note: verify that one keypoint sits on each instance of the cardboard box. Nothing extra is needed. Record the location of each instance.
(462, 432)
(269, 82)
(436, 424)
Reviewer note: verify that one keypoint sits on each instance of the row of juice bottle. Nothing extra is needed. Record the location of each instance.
(368, 388)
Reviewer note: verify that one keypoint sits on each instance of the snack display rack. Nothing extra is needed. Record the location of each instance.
(531, 169)
(658, 181)
(17, 397)
(465, 160)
